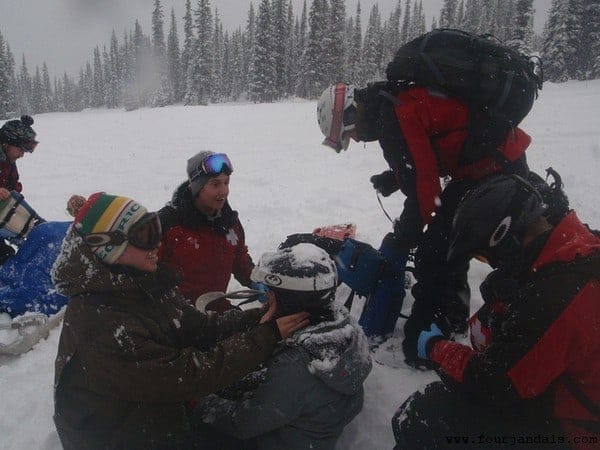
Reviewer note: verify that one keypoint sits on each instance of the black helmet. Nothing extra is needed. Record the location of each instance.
(492, 219)
(19, 133)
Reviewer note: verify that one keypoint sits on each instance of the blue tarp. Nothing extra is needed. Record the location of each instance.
(25, 284)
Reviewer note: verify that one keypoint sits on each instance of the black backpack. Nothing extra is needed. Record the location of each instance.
(499, 84)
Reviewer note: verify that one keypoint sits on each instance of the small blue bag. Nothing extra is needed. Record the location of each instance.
(359, 266)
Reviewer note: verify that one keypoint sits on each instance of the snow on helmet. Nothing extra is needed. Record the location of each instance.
(19, 133)
(302, 267)
(492, 219)
(336, 113)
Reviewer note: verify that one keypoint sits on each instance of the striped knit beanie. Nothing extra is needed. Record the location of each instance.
(103, 212)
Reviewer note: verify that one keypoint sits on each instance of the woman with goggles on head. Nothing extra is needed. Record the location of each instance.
(16, 138)
(203, 237)
(132, 351)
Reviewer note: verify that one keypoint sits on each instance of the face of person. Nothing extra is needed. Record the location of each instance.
(144, 260)
(213, 195)
(13, 153)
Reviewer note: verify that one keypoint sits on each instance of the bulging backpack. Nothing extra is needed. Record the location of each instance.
(499, 84)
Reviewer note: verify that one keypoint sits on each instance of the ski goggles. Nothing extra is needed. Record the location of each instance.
(144, 234)
(343, 119)
(28, 146)
(214, 164)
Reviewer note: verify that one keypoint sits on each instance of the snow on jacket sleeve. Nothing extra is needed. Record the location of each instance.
(136, 361)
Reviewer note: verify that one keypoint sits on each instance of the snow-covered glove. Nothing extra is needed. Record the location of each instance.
(385, 182)
(260, 287)
(427, 339)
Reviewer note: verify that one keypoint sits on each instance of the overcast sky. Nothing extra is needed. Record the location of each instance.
(63, 33)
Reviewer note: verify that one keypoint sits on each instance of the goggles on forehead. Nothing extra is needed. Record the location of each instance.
(343, 119)
(214, 164)
(144, 234)
(28, 146)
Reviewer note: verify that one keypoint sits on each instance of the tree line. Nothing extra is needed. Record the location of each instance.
(280, 54)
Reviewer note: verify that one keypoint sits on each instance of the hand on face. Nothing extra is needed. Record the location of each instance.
(4, 194)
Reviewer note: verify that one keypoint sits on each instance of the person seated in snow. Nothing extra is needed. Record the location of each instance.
(313, 385)
(16, 138)
(204, 239)
(132, 350)
(533, 370)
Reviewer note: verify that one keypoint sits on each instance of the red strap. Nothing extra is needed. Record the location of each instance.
(338, 115)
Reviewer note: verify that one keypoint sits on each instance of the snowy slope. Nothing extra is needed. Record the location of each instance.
(284, 182)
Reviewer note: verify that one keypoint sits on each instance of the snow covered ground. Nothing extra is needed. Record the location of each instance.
(284, 182)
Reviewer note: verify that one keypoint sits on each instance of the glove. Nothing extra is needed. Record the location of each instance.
(385, 183)
(260, 287)
(426, 340)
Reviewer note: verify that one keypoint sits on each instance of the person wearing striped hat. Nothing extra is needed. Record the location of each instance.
(132, 350)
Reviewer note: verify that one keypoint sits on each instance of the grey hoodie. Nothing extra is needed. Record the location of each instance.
(313, 388)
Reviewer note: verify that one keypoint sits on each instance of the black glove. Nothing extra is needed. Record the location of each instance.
(385, 183)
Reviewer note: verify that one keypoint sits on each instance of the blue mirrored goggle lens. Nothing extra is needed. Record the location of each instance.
(216, 164)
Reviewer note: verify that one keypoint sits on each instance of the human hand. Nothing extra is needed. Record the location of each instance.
(385, 183)
(271, 307)
(426, 340)
(4, 194)
(74, 204)
(288, 324)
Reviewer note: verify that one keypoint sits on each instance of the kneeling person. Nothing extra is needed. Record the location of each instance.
(313, 382)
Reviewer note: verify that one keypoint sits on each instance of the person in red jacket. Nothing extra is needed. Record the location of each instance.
(421, 132)
(204, 240)
(16, 138)
(532, 373)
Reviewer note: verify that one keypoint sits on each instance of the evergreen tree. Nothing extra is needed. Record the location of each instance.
(472, 16)
(98, 86)
(391, 37)
(316, 78)
(354, 63)
(448, 14)
(24, 88)
(47, 102)
(13, 87)
(174, 65)
(405, 30)
(188, 49)
(562, 36)
(218, 53)
(335, 55)
(263, 83)
(280, 35)
(5, 93)
(301, 38)
(201, 70)
(522, 31)
(590, 40)
(373, 47)
(250, 46)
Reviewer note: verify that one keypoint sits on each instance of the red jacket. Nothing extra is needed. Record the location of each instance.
(433, 130)
(9, 177)
(529, 347)
(206, 258)
(205, 252)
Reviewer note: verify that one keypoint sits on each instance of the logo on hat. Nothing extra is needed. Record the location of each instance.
(273, 280)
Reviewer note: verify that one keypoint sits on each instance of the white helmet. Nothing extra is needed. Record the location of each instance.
(302, 267)
(336, 113)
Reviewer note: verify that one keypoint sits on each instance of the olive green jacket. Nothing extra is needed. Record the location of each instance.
(132, 352)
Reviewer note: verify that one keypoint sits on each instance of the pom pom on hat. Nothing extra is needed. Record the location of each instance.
(104, 212)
